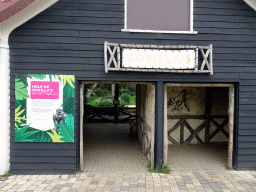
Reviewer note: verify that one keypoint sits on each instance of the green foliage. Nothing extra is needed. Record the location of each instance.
(66, 132)
(18, 118)
(70, 120)
(37, 76)
(21, 91)
(165, 169)
(6, 174)
(70, 79)
(43, 137)
(227, 167)
(22, 136)
(68, 106)
(22, 78)
(103, 101)
(103, 93)
(68, 99)
(54, 136)
(125, 99)
(149, 164)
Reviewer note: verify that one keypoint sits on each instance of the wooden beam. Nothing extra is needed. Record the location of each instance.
(198, 85)
(117, 104)
(197, 130)
(219, 128)
(175, 127)
(186, 117)
(172, 140)
(182, 131)
(208, 101)
(191, 130)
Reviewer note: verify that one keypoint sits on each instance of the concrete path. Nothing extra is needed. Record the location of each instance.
(198, 157)
(109, 147)
(134, 181)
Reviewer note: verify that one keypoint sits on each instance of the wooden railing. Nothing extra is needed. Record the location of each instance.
(183, 123)
(95, 114)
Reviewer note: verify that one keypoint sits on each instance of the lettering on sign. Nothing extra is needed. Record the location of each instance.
(153, 58)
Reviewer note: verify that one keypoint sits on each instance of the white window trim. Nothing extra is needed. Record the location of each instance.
(191, 31)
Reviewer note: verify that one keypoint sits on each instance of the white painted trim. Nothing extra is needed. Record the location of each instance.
(251, 3)
(156, 31)
(125, 14)
(191, 15)
(6, 27)
(191, 30)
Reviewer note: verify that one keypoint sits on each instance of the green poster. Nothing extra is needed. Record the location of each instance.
(44, 108)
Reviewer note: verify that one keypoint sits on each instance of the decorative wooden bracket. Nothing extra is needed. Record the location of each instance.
(112, 55)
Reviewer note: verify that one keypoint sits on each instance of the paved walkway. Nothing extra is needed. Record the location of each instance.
(198, 157)
(109, 147)
(134, 181)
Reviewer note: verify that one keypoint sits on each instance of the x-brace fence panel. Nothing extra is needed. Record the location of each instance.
(203, 60)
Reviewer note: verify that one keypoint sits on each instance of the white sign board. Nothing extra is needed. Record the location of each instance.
(153, 58)
(45, 97)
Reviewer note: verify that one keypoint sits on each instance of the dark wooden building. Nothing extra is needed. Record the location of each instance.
(70, 38)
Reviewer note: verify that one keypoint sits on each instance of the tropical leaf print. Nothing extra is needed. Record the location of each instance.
(43, 137)
(55, 137)
(21, 91)
(18, 118)
(37, 76)
(70, 120)
(66, 132)
(21, 136)
(70, 79)
(68, 106)
(22, 78)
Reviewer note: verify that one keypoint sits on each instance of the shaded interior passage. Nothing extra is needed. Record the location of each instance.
(198, 157)
(110, 148)
(198, 128)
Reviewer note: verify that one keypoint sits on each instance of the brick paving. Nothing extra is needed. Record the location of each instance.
(224, 181)
(198, 157)
(109, 147)
(121, 166)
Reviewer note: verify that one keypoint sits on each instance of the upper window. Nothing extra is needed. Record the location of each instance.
(164, 16)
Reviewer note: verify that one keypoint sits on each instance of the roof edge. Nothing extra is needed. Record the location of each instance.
(13, 9)
(251, 3)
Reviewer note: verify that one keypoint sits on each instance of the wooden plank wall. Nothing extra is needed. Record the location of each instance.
(68, 38)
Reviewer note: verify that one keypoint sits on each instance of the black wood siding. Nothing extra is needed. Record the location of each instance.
(68, 38)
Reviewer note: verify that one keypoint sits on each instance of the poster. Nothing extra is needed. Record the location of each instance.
(44, 108)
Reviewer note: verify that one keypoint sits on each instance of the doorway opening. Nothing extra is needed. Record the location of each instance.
(114, 135)
(199, 126)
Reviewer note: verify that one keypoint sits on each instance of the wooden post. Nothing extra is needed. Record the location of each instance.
(182, 132)
(208, 100)
(231, 126)
(81, 127)
(159, 125)
(165, 127)
(153, 126)
(137, 112)
(116, 103)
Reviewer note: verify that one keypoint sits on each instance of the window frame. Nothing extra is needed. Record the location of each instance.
(191, 31)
